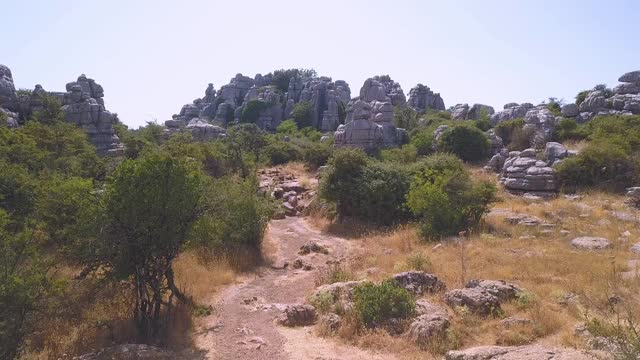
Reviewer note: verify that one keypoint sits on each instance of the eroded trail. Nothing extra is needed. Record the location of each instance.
(243, 323)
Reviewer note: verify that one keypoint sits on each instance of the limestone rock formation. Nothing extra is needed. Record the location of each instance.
(419, 282)
(482, 297)
(431, 323)
(297, 315)
(7, 88)
(511, 111)
(623, 100)
(328, 100)
(421, 99)
(82, 103)
(540, 123)
(522, 172)
(360, 132)
(84, 106)
(464, 112)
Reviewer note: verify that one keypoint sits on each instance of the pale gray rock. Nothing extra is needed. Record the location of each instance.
(591, 243)
(297, 315)
(511, 111)
(594, 102)
(204, 131)
(555, 152)
(626, 88)
(635, 248)
(522, 172)
(7, 88)
(477, 300)
(421, 99)
(419, 282)
(477, 110)
(359, 132)
(527, 352)
(633, 197)
(630, 77)
(430, 324)
(502, 290)
(541, 123)
(570, 110)
(460, 111)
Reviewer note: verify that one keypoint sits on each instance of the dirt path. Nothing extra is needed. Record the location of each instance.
(242, 325)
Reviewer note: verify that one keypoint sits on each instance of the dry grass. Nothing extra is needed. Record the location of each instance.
(91, 316)
(539, 259)
(201, 279)
(298, 169)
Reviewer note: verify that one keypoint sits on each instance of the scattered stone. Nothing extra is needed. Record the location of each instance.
(298, 315)
(132, 352)
(633, 197)
(300, 264)
(432, 323)
(590, 243)
(636, 248)
(477, 300)
(503, 290)
(313, 247)
(527, 352)
(515, 321)
(419, 282)
(331, 322)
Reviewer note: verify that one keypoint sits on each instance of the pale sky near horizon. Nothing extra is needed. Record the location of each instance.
(154, 56)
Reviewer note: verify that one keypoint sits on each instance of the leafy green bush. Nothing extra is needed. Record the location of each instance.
(377, 303)
(287, 127)
(405, 117)
(280, 78)
(316, 154)
(302, 114)
(446, 200)
(251, 111)
(468, 142)
(422, 139)
(237, 220)
(366, 189)
(407, 154)
(567, 129)
(581, 97)
(601, 164)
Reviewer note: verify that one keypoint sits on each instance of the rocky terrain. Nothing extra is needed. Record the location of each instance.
(83, 105)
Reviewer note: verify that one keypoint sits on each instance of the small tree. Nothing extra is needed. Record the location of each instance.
(405, 117)
(302, 114)
(150, 205)
(242, 139)
(444, 197)
(468, 142)
(251, 111)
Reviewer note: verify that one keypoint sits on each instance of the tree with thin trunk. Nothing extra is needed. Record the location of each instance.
(150, 205)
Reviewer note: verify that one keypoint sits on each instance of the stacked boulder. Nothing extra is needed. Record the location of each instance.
(511, 111)
(82, 103)
(464, 112)
(623, 100)
(421, 99)
(369, 118)
(327, 98)
(522, 172)
(84, 106)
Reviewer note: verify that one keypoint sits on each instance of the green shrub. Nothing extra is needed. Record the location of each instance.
(422, 139)
(251, 111)
(407, 154)
(302, 114)
(316, 154)
(468, 142)
(581, 97)
(287, 127)
(281, 152)
(366, 189)
(600, 164)
(446, 200)
(567, 129)
(405, 117)
(375, 304)
(506, 129)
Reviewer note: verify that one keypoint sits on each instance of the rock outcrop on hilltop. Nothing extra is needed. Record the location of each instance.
(83, 105)
(421, 99)
(369, 118)
(328, 100)
(465, 112)
(511, 111)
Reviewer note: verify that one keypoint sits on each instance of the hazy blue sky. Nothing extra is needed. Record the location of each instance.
(154, 56)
